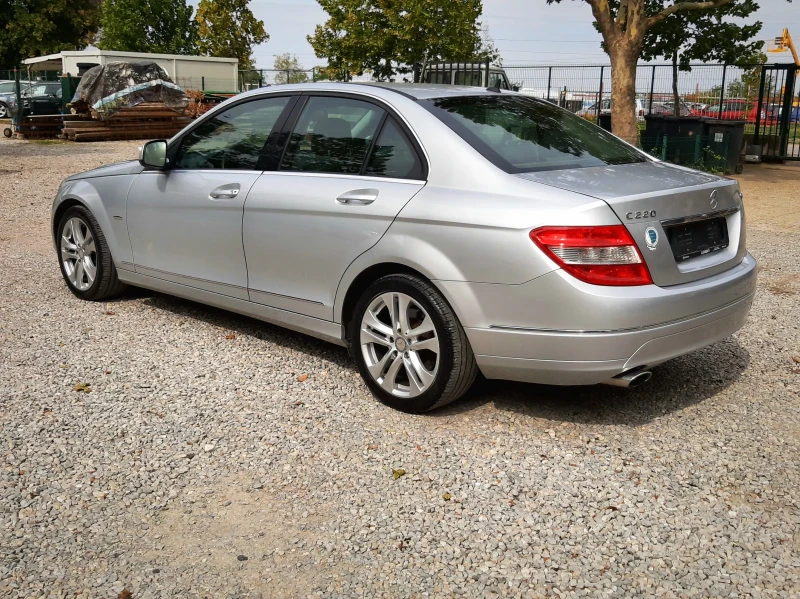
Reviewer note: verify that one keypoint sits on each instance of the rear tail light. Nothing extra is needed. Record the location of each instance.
(605, 255)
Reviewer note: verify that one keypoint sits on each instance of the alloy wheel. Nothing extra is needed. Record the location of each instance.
(400, 344)
(78, 254)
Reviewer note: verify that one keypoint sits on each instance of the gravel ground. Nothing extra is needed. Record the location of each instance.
(217, 456)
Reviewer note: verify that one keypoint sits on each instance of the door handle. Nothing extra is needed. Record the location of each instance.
(226, 192)
(360, 197)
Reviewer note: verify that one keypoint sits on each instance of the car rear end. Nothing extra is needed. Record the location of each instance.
(660, 269)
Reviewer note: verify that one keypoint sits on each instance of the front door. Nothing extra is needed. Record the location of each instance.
(185, 223)
(348, 169)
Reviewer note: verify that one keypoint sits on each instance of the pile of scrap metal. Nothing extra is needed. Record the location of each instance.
(125, 100)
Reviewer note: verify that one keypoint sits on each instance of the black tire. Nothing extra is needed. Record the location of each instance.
(106, 284)
(456, 370)
(4, 112)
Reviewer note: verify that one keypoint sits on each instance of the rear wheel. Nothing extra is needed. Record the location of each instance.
(409, 346)
(84, 257)
(3, 111)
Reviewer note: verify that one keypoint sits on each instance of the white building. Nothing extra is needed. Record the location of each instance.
(190, 72)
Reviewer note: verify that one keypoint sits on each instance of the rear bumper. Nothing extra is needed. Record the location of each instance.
(588, 355)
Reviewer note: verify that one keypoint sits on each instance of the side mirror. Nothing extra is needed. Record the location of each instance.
(154, 154)
(515, 88)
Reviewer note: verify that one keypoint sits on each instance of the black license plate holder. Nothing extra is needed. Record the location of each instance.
(697, 238)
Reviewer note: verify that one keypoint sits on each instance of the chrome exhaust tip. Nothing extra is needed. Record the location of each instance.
(630, 379)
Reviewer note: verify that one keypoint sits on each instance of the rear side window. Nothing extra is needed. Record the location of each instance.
(332, 135)
(521, 134)
(392, 155)
(470, 78)
(232, 139)
(437, 77)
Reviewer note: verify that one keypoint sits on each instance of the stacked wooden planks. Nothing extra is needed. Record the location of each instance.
(149, 120)
(46, 126)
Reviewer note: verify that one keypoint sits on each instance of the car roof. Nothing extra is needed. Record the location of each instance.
(415, 91)
(423, 91)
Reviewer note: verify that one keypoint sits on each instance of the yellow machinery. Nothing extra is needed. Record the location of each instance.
(784, 43)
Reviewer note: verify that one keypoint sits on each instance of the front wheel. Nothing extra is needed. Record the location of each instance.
(409, 346)
(3, 111)
(84, 257)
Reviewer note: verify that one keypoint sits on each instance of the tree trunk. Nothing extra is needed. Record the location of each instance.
(676, 109)
(623, 91)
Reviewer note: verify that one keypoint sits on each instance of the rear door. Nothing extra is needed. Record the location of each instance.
(347, 169)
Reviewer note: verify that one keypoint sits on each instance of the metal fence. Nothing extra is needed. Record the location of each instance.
(704, 87)
(767, 97)
(8, 75)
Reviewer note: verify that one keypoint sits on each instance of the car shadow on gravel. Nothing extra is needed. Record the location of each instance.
(675, 385)
(241, 325)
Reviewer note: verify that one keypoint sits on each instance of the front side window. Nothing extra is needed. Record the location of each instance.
(521, 134)
(393, 155)
(232, 139)
(332, 135)
(7, 87)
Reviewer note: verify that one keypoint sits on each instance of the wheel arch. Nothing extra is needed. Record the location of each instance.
(59, 211)
(348, 296)
(105, 198)
(362, 281)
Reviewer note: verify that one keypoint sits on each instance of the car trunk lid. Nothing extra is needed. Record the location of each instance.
(688, 225)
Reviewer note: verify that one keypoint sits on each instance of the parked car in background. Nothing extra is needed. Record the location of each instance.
(668, 108)
(738, 109)
(733, 109)
(8, 91)
(434, 230)
(42, 98)
(794, 114)
(697, 106)
(642, 109)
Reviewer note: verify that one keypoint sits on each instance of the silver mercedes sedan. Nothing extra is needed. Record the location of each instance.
(435, 231)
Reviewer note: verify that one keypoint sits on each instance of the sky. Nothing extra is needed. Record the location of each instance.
(525, 31)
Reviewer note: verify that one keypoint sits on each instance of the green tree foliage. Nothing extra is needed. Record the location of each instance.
(291, 69)
(37, 27)
(157, 26)
(229, 29)
(704, 36)
(387, 37)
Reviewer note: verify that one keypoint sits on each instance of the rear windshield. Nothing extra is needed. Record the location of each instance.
(521, 134)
